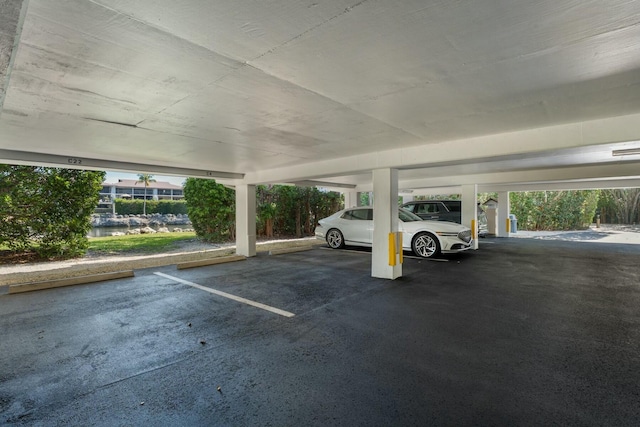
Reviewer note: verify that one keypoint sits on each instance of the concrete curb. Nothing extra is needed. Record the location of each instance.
(211, 261)
(289, 250)
(58, 283)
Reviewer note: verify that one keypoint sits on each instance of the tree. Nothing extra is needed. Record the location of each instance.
(621, 205)
(146, 179)
(47, 210)
(211, 209)
(296, 210)
(554, 210)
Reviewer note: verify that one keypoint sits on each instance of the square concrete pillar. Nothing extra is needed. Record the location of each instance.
(246, 220)
(385, 221)
(469, 212)
(503, 213)
(351, 199)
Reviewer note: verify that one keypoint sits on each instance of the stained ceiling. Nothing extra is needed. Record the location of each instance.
(450, 92)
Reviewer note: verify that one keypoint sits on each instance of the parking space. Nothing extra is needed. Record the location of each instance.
(520, 332)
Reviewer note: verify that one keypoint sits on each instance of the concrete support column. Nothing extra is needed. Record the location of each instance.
(246, 220)
(385, 221)
(470, 210)
(351, 199)
(503, 213)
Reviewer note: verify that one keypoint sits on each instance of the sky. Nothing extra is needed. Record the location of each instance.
(115, 176)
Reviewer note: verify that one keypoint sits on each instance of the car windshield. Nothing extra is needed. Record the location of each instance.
(406, 216)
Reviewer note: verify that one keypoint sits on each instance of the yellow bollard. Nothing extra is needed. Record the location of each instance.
(474, 230)
(392, 249)
(395, 248)
(508, 225)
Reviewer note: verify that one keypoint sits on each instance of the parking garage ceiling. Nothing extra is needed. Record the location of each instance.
(497, 93)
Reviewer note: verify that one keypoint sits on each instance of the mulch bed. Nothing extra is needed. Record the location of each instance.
(9, 257)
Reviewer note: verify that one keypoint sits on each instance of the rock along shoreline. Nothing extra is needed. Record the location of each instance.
(157, 220)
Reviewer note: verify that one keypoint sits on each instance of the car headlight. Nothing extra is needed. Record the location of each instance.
(465, 236)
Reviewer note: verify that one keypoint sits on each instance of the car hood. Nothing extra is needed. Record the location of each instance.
(444, 226)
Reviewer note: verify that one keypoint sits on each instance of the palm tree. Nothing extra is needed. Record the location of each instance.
(146, 179)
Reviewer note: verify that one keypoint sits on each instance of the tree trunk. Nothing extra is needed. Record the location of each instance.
(268, 227)
(144, 202)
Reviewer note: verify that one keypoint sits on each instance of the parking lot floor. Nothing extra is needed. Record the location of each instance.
(520, 332)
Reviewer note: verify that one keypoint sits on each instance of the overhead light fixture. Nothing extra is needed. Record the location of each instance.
(626, 152)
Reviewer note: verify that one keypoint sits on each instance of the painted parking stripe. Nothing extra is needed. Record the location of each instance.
(226, 295)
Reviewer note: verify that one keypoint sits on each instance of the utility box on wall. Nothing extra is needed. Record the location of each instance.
(491, 208)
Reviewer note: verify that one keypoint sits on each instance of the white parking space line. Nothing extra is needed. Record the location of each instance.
(419, 258)
(226, 295)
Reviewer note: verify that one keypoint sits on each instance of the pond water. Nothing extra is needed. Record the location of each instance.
(107, 231)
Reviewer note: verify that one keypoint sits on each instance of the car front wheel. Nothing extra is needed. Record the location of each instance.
(335, 239)
(426, 245)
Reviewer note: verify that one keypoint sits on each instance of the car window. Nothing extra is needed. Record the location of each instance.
(358, 214)
(406, 216)
(410, 208)
(453, 205)
(425, 208)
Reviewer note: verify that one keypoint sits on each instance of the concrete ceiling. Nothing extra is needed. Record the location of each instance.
(497, 93)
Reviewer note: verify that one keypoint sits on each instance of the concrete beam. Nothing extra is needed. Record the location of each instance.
(498, 181)
(75, 162)
(12, 14)
(518, 143)
(567, 185)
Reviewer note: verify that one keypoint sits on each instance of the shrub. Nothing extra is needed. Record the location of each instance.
(554, 210)
(136, 207)
(211, 209)
(47, 210)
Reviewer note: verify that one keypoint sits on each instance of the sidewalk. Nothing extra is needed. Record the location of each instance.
(607, 233)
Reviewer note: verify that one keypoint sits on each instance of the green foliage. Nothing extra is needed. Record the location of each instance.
(47, 210)
(554, 210)
(211, 209)
(293, 211)
(136, 207)
(620, 206)
(482, 197)
(280, 210)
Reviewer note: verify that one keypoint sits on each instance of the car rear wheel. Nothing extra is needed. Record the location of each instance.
(425, 245)
(335, 240)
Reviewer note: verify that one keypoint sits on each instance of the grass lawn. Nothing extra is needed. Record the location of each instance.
(140, 243)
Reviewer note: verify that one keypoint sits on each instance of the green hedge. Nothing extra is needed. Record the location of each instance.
(47, 210)
(134, 207)
(554, 210)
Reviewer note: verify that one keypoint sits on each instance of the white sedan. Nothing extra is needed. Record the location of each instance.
(354, 227)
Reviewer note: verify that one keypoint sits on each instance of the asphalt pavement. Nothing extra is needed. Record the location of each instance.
(520, 332)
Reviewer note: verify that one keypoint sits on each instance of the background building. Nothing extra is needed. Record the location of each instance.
(133, 189)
